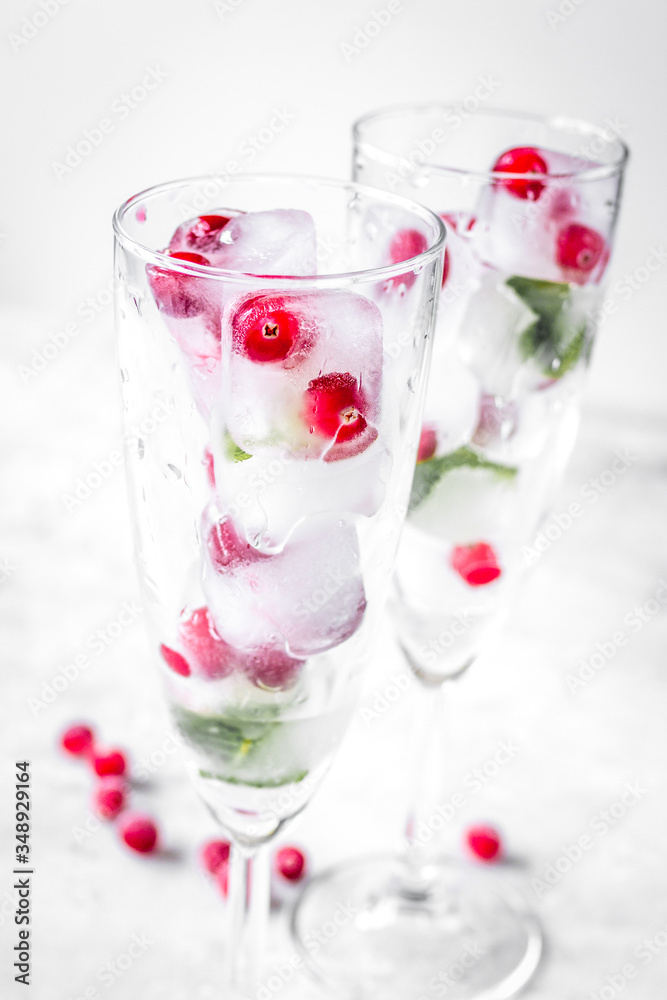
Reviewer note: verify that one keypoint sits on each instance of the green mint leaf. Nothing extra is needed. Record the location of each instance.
(555, 340)
(428, 473)
(228, 738)
(233, 452)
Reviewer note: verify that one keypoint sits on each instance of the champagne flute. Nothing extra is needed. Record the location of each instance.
(268, 502)
(530, 207)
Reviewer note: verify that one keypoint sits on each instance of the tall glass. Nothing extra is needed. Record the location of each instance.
(530, 207)
(254, 322)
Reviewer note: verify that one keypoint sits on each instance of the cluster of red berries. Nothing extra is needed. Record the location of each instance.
(110, 796)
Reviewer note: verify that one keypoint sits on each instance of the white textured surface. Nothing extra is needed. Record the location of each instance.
(71, 573)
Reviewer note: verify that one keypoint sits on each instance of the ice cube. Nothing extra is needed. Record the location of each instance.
(304, 373)
(452, 401)
(281, 241)
(306, 599)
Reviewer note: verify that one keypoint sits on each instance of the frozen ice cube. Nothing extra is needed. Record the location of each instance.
(452, 401)
(306, 599)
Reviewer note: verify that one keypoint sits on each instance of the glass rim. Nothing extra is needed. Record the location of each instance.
(560, 123)
(382, 273)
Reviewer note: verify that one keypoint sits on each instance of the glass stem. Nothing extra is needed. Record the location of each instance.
(432, 808)
(247, 912)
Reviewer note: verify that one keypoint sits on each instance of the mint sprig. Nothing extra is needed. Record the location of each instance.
(429, 473)
(555, 339)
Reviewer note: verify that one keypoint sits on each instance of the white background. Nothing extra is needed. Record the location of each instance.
(69, 571)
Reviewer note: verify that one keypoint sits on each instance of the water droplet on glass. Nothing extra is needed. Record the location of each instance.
(140, 447)
(175, 470)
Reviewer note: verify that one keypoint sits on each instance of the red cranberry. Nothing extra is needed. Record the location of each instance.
(271, 668)
(109, 763)
(521, 160)
(208, 463)
(175, 661)
(266, 329)
(334, 405)
(228, 550)
(476, 564)
(204, 233)
(212, 654)
(579, 249)
(290, 863)
(214, 854)
(222, 877)
(78, 740)
(428, 442)
(407, 243)
(484, 842)
(139, 833)
(109, 798)
(175, 293)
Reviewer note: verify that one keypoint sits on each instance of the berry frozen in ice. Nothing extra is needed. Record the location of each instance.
(113, 762)
(201, 234)
(209, 464)
(213, 657)
(109, 798)
(484, 842)
(476, 564)
(522, 160)
(78, 740)
(427, 444)
(177, 294)
(579, 250)
(213, 854)
(227, 549)
(290, 864)
(139, 833)
(222, 877)
(268, 328)
(175, 661)
(407, 243)
(271, 668)
(334, 408)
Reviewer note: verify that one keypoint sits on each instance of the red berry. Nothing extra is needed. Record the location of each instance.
(204, 232)
(214, 854)
(271, 668)
(175, 293)
(290, 863)
(484, 842)
(445, 267)
(579, 249)
(427, 444)
(139, 833)
(109, 763)
(78, 740)
(208, 463)
(228, 550)
(265, 329)
(334, 407)
(175, 661)
(407, 243)
(212, 654)
(521, 160)
(109, 798)
(476, 564)
(222, 877)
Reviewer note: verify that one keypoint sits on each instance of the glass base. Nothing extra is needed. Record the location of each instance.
(368, 930)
